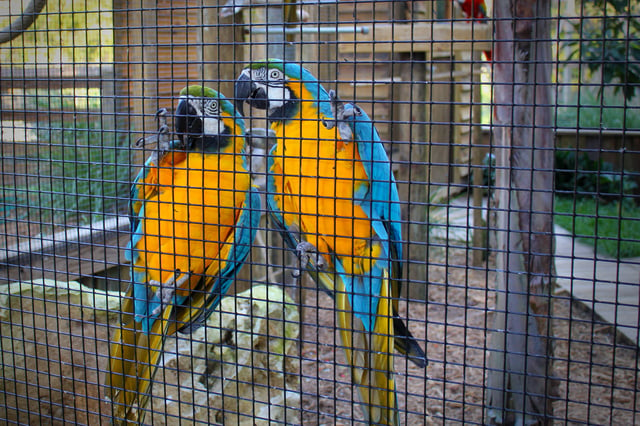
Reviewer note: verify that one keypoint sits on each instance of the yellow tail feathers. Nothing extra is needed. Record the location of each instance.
(133, 361)
(370, 357)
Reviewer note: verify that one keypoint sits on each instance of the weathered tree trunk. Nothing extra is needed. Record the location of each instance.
(19, 25)
(519, 384)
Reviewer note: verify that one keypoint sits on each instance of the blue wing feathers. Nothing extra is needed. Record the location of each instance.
(382, 202)
(363, 291)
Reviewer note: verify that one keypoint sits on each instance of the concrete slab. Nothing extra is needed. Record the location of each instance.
(610, 287)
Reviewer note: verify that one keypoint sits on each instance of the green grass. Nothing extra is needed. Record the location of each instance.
(75, 175)
(595, 114)
(612, 228)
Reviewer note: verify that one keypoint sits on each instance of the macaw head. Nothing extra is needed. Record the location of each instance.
(279, 88)
(205, 120)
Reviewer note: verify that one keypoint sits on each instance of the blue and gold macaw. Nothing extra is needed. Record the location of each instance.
(332, 192)
(194, 215)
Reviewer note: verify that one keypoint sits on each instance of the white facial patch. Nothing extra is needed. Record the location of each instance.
(211, 122)
(277, 95)
(212, 126)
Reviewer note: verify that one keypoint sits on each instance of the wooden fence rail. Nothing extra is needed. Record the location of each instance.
(48, 81)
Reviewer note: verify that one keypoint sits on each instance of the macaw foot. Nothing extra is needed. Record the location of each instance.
(167, 290)
(308, 255)
(161, 116)
(162, 138)
(341, 116)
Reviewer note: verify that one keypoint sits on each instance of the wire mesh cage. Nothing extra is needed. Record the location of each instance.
(319, 212)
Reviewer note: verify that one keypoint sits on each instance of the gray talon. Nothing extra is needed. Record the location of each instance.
(161, 116)
(341, 116)
(162, 138)
(167, 290)
(308, 255)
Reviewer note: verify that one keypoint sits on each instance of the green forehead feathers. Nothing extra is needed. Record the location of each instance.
(199, 91)
(207, 92)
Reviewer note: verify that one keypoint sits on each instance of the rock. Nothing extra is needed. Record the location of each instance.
(91, 304)
(53, 343)
(240, 368)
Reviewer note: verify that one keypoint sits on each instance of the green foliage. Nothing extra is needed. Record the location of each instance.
(583, 176)
(609, 41)
(576, 174)
(77, 174)
(68, 31)
(612, 228)
(66, 99)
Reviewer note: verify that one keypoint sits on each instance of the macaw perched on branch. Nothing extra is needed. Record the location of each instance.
(194, 215)
(476, 10)
(332, 193)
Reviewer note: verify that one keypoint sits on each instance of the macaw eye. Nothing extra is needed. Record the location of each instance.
(211, 107)
(275, 75)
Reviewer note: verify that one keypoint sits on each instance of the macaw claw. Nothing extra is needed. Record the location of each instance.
(309, 255)
(341, 116)
(167, 290)
(161, 116)
(162, 138)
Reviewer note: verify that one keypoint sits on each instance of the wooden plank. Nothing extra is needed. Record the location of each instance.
(52, 77)
(47, 116)
(418, 37)
(363, 11)
(67, 255)
(78, 261)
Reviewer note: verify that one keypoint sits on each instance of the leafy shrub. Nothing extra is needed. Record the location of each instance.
(583, 176)
(608, 41)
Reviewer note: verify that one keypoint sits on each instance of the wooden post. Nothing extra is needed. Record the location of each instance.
(221, 55)
(319, 52)
(135, 39)
(409, 130)
(479, 238)
(146, 82)
(519, 387)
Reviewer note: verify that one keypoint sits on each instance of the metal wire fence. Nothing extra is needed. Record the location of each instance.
(474, 260)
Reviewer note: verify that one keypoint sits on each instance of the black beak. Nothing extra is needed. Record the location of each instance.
(242, 92)
(188, 125)
(246, 91)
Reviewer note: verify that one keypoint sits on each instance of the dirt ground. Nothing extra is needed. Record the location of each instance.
(596, 373)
